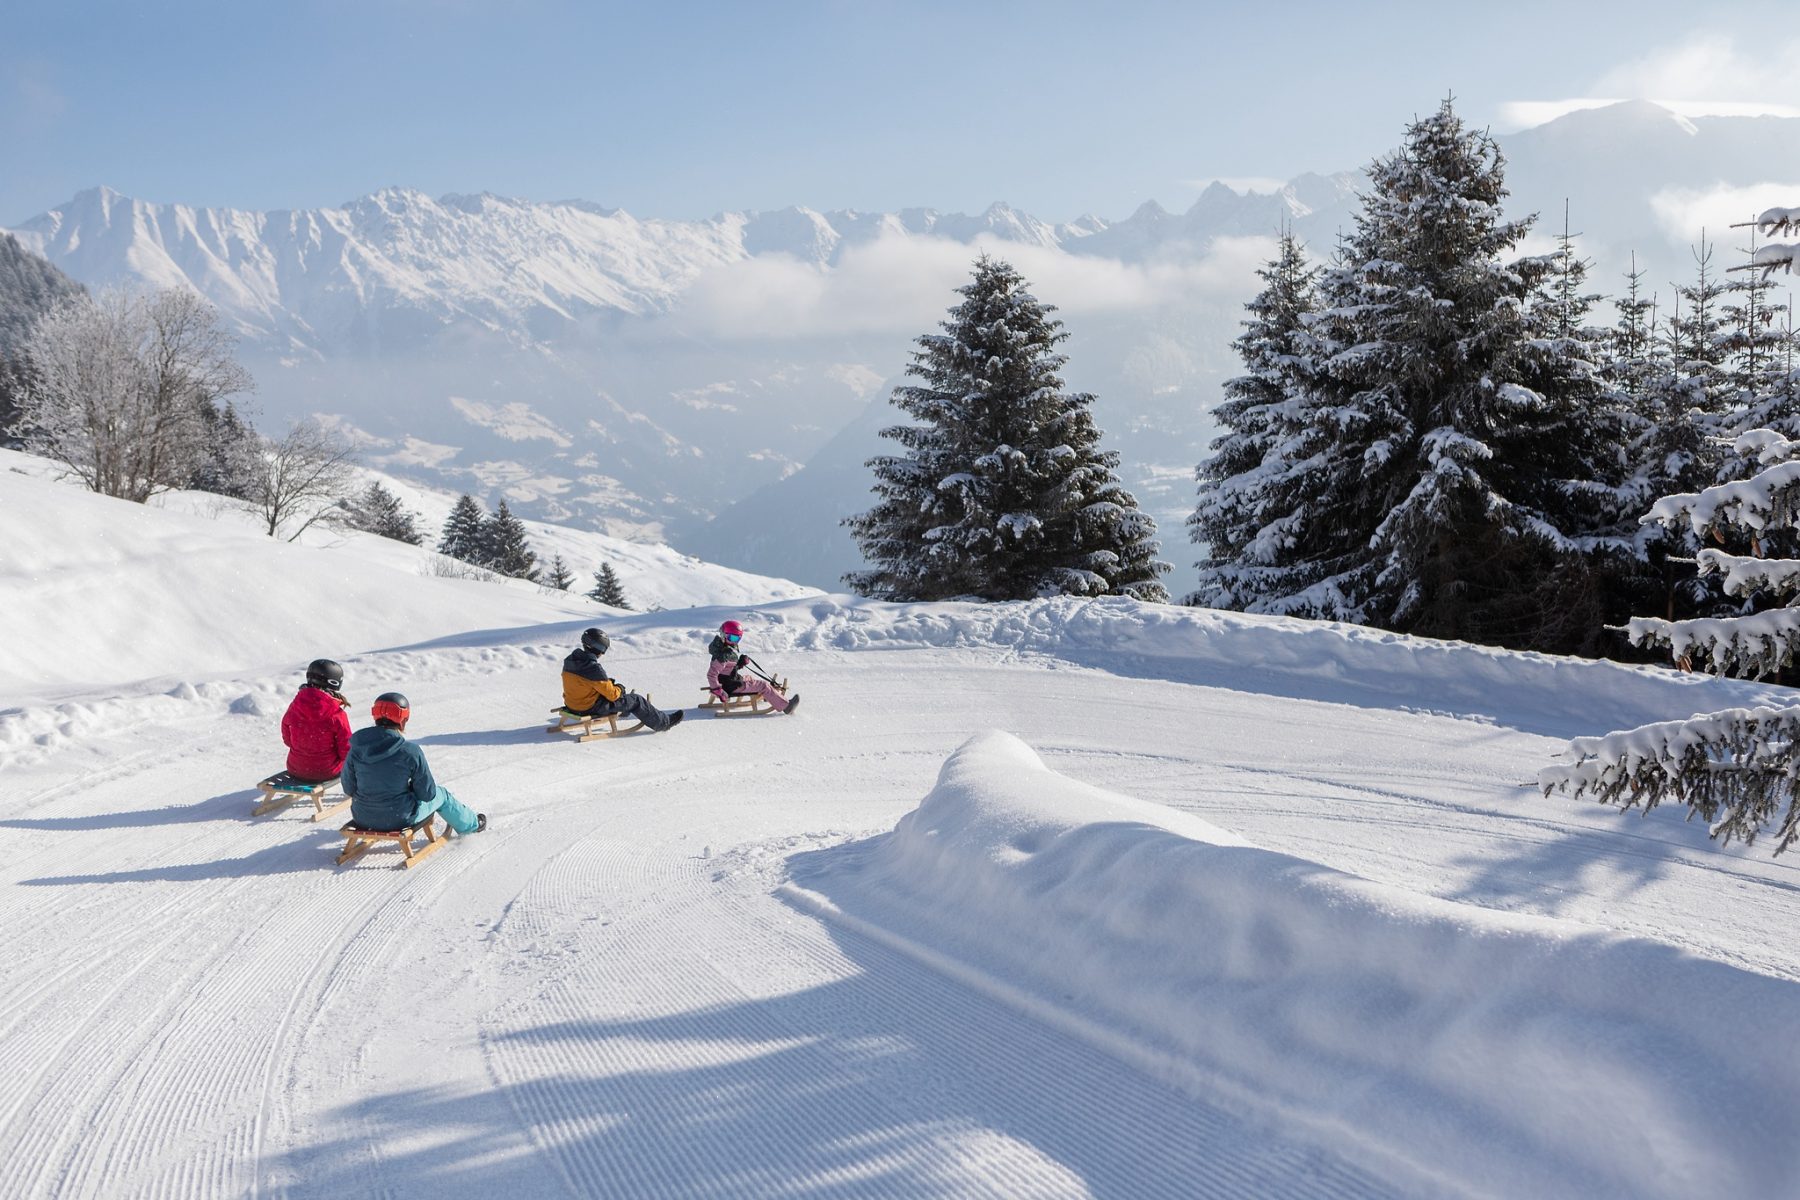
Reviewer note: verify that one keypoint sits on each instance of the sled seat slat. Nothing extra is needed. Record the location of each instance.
(582, 727)
(746, 704)
(359, 841)
(283, 789)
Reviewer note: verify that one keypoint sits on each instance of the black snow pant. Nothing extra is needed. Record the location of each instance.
(635, 706)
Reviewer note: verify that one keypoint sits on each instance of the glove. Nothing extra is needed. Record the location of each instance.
(743, 659)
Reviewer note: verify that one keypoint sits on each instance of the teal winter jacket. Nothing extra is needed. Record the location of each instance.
(386, 777)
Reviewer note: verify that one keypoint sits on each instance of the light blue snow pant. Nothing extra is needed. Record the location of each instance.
(459, 816)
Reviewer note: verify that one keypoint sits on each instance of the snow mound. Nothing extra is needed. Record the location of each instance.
(1542, 1056)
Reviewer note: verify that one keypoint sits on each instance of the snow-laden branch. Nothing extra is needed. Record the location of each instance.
(1768, 259)
(1741, 575)
(1769, 498)
(1766, 446)
(1756, 645)
(1734, 769)
(1772, 221)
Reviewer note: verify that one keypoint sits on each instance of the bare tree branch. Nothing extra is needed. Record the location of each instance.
(306, 476)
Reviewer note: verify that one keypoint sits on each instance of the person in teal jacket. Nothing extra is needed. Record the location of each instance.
(388, 781)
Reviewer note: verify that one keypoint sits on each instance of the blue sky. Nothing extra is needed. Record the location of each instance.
(683, 110)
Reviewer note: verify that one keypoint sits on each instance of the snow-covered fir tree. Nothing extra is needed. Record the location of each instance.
(1738, 769)
(504, 547)
(1758, 340)
(378, 511)
(607, 589)
(557, 575)
(1441, 470)
(1259, 466)
(464, 530)
(1004, 492)
(1632, 355)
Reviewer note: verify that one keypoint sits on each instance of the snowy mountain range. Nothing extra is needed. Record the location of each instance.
(642, 375)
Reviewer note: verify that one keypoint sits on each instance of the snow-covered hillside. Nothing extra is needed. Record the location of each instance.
(1061, 898)
(126, 585)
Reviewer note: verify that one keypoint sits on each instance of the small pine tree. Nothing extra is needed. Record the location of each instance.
(558, 575)
(378, 511)
(231, 462)
(464, 530)
(607, 590)
(504, 547)
(1005, 493)
(1632, 358)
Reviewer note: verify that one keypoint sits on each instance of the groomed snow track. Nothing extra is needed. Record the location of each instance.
(613, 993)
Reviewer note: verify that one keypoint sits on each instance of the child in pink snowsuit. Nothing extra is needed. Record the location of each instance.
(725, 677)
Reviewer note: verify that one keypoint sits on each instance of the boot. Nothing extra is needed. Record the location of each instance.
(793, 702)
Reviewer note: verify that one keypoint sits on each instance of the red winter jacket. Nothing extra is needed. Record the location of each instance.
(317, 733)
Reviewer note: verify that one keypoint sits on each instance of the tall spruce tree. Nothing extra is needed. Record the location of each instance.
(607, 589)
(1436, 443)
(504, 547)
(464, 532)
(1254, 476)
(1004, 493)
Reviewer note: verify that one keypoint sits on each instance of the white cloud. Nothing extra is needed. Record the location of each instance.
(1711, 68)
(1515, 115)
(1707, 74)
(1684, 212)
(904, 285)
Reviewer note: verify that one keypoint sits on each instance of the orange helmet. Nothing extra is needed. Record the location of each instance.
(392, 706)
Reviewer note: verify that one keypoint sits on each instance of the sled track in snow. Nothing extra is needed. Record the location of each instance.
(661, 1065)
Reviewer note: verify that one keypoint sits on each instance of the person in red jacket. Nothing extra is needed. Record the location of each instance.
(316, 728)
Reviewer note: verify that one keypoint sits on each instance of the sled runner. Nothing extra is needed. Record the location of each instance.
(564, 721)
(359, 841)
(283, 789)
(749, 704)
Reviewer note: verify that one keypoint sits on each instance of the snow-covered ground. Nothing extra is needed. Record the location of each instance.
(1050, 899)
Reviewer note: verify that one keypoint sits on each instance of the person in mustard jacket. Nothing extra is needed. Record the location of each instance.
(588, 691)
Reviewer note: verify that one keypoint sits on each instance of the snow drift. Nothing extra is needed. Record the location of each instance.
(1538, 1055)
(1310, 660)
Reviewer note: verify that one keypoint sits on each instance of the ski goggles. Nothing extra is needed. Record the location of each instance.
(733, 638)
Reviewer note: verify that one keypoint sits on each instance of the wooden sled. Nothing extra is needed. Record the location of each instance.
(359, 841)
(283, 789)
(750, 704)
(582, 728)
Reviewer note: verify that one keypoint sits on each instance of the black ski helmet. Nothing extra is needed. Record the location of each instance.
(595, 641)
(392, 706)
(324, 673)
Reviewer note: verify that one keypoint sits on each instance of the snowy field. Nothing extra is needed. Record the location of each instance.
(1049, 899)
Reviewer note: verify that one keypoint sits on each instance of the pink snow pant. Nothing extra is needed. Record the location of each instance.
(756, 687)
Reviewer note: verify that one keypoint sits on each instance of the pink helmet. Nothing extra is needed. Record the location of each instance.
(731, 631)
